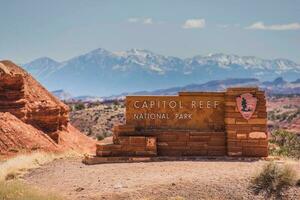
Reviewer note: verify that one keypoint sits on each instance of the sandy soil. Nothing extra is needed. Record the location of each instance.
(156, 180)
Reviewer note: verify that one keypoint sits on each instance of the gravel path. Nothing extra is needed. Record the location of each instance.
(156, 180)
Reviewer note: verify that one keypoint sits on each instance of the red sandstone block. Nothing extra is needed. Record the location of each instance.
(231, 110)
(178, 147)
(108, 147)
(233, 115)
(137, 140)
(133, 148)
(103, 153)
(264, 142)
(257, 151)
(257, 121)
(217, 148)
(123, 140)
(230, 103)
(234, 153)
(262, 115)
(197, 145)
(234, 149)
(184, 137)
(166, 138)
(262, 128)
(229, 120)
(231, 143)
(195, 153)
(217, 142)
(216, 153)
(241, 136)
(162, 144)
(231, 134)
(170, 152)
(218, 134)
(253, 142)
(199, 133)
(124, 128)
(177, 143)
(145, 153)
(198, 138)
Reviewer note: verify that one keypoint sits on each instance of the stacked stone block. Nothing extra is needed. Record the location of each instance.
(134, 145)
(246, 137)
(169, 142)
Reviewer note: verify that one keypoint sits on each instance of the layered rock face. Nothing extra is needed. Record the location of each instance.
(16, 136)
(25, 98)
(22, 96)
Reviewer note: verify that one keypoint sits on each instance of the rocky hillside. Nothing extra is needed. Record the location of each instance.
(139, 70)
(37, 112)
(284, 113)
(97, 121)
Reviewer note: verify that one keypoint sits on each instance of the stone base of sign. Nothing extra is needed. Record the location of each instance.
(92, 160)
(166, 142)
(234, 136)
(129, 146)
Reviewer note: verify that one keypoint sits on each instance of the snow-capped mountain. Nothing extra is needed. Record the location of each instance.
(104, 73)
(62, 95)
(42, 67)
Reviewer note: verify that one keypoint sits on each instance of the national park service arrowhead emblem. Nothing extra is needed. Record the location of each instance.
(246, 104)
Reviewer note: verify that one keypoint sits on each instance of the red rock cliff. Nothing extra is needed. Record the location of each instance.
(22, 96)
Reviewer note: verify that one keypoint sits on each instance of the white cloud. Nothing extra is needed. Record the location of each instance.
(133, 20)
(194, 23)
(148, 21)
(223, 26)
(275, 27)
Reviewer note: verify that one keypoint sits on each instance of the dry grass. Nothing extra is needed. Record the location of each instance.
(16, 190)
(17, 166)
(274, 180)
(10, 170)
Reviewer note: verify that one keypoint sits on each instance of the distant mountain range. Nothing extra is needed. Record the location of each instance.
(277, 86)
(103, 73)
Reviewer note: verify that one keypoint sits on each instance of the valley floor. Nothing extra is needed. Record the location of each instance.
(156, 180)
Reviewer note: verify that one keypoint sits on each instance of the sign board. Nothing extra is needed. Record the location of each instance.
(201, 110)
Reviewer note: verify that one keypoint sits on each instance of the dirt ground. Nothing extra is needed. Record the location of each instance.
(155, 180)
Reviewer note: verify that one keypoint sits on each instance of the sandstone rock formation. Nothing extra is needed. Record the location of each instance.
(16, 136)
(22, 96)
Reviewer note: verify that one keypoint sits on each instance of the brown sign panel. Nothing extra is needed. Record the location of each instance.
(188, 110)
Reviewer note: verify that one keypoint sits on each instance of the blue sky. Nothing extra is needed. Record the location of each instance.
(62, 29)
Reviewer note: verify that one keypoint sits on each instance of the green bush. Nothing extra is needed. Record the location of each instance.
(274, 180)
(287, 144)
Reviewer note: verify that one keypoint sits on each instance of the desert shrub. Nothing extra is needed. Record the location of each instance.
(271, 115)
(79, 106)
(293, 116)
(16, 190)
(286, 144)
(99, 137)
(274, 180)
(298, 183)
(116, 103)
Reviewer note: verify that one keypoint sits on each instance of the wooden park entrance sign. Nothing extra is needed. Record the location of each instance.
(230, 123)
